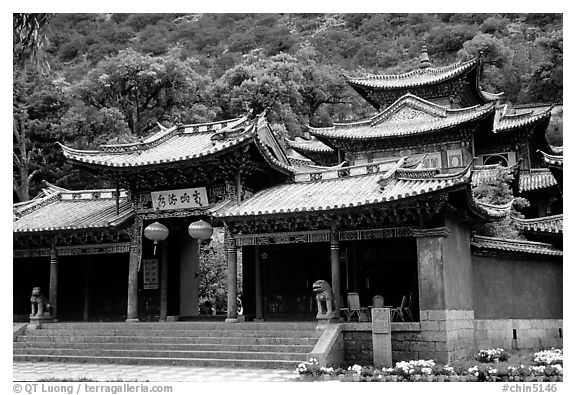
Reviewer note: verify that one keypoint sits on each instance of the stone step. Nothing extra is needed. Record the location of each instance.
(178, 333)
(257, 348)
(173, 354)
(82, 338)
(217, 362)
(252, 326)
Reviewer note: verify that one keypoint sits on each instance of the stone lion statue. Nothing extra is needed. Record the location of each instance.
(324, 297)
(39, 303)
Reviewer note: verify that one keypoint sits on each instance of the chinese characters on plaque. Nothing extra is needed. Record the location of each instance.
(150, 273)
(179, 198)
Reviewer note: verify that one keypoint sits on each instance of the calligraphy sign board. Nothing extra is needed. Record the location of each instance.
(380, 320)
(179, 199)
(150, 273)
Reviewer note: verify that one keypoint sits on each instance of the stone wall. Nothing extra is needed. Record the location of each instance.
(451, 335)
(444, 335)
(358, 347)
(530, 334)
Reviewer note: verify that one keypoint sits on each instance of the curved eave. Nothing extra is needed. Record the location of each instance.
(504, 125)
(451, 183)
(305, 147)
(402, 81)
(490, 211)
(273, 162)
(326, 134)
(81, 158)
(552, 160)
(552, 224)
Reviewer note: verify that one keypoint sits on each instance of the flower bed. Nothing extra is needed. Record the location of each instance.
(546, 366)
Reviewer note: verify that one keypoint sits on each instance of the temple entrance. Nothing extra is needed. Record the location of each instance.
(90, 287)
(386, 267)
(28, 273)
(288, 272)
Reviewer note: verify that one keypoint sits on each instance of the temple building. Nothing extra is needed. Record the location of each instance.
(380, 206)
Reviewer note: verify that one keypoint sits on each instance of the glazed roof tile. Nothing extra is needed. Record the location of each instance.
(515, 246)
(508, 118)
(72, 210)
(418, 77)
(536, 179)
(550, 224)
(340, 189)
(409, 115)
(170, 145)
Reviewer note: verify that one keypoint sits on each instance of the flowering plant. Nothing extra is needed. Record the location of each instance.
(310, 367)
(491, 355)
(355, 369)
(553, 356)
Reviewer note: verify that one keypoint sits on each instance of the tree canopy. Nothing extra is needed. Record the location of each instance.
(113, 77)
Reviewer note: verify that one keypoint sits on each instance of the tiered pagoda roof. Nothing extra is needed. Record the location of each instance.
(186, 154)
(418, 77)
(58, 209)
(426, 81)
(176, 144)
(353, 187)
(409, 116)
(515, 247)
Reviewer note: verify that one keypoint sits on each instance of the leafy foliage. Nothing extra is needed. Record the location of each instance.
(114, 76)
(498, 192)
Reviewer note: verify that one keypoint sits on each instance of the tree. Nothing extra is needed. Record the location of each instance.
(30, 40)
(144, 89)
(29, 61)
(213, 272)
(38, 104)
(498, 192)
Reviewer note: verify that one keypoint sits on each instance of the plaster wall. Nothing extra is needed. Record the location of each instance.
(517, 287)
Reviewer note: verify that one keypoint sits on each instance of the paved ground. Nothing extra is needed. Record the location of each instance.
(39, 371)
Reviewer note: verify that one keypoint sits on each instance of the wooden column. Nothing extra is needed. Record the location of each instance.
(258, 283)
(133, 266)
(232, 271)
(164, 280)
(87, 288)
(53, 291)
(335, 269)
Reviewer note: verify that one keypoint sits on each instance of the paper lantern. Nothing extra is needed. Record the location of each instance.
(200, 230)
(156, 232)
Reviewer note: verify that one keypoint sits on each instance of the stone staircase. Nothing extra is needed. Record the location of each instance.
(279, 345)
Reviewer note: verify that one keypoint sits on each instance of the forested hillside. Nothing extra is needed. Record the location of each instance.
(114, 77)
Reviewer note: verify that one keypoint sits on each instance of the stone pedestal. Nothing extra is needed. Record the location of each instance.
(37, 321)
(381, 337)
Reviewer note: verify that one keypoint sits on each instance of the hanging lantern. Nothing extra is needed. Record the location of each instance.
(200, 230)
(156, 232)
